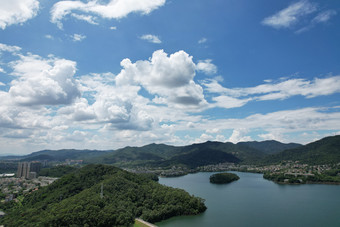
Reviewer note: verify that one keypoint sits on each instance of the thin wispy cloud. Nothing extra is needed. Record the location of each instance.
(78, 37)
(324, 16)
(88, 18)
(303, 14)
(289, 16)
(49, 37)
(273, 91)
(151, 38)
(203, 40)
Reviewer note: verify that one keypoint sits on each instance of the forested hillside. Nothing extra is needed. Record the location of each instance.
(75, 200)
(324, 151)
(270, 146)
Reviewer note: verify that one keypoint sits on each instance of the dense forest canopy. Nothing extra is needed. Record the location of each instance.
(76, 200)
(223, 178)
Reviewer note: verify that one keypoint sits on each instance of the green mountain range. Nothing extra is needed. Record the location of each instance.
(324, 151)
(160, 155)
(194, 155)
(270, 146)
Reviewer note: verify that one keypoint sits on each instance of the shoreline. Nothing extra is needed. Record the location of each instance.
(282, 183)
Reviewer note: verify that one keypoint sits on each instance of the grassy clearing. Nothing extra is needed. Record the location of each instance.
(139, 224)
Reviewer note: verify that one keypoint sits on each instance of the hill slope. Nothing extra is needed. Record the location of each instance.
(270, 146)
(75, 200)
(138, 155)
(324, 151)
(199, 157)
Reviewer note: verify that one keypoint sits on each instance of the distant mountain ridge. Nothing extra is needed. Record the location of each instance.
(58, 155)
(164, 155)
(326, 150)
(270, 146)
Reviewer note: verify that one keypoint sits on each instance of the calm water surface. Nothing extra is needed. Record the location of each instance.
(254, 201)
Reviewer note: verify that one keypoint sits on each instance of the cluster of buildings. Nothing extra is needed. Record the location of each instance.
(28, 170)
(12, 187)
(293, 168)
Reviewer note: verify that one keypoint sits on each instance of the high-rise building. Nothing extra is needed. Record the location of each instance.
(23, 169)
(35, 166)
(28, 170)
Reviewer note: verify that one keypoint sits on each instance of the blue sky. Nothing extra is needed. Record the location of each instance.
(113, 73)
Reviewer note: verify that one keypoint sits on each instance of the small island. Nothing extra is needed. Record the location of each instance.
(223, 178)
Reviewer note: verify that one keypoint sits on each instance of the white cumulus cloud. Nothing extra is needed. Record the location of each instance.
(17, 11)
(169, 77)
(8, 48)
(206, 67)
(114, 9)
(240, 135)
(43, 81)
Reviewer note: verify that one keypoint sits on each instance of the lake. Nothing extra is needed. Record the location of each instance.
(254, 201)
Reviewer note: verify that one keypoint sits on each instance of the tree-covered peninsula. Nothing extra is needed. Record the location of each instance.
(223, 178)
(100, 195)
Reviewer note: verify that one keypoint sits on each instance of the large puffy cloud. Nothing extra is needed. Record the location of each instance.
(170, 78)
(43, 81)
(17, 11)
(115, 107)
(122, 108)
(114, 9)
(79, 111)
